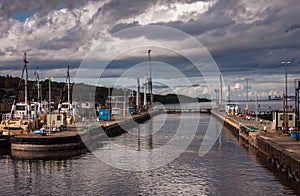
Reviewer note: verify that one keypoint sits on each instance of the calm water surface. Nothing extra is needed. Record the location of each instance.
(228, 169)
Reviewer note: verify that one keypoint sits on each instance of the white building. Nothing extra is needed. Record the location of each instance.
(278, 119)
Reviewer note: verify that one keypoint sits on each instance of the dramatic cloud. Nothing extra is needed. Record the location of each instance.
(244, 37)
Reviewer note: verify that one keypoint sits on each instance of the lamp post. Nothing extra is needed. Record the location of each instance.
(286, 96)
(236, 87)
(124, 102)
(247, 81)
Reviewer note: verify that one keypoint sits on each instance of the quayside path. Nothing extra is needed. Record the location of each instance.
(281, 150)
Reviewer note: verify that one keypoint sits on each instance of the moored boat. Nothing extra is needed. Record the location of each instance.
(67, 107)
(21, 119)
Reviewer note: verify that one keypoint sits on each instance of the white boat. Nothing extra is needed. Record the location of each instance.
(21, 119)
(67, 107)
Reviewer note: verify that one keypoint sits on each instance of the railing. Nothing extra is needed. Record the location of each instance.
(7, 116)
(183, 110)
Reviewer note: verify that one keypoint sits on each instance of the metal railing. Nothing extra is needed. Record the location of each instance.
(7, 116)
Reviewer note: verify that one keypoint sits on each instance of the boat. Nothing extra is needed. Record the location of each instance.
(39, 107)
(21, 119)
(4, 141)
(67, 107)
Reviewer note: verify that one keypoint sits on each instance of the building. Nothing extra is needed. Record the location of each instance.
(278, 119)
(232, 109)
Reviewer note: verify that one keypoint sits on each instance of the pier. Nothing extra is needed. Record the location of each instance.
(182, 110)
(282, 151)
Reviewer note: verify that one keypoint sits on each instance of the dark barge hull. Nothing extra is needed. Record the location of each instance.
(4, 141)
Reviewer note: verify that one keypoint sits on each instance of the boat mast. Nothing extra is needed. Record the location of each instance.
(150, 78)
(26, 87)
(26, 78)
(13, 107)
(38, 84)
(68, 80)
(69, 90)
(39, 93)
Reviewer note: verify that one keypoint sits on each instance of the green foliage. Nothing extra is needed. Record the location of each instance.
(9, 87)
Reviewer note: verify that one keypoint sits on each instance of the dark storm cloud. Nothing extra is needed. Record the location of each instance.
(214, 19)
(129, 8)
(270, 35)
(179, 62)
(72, 39)
(115, 10)
(263, 61)
(42, 64)
(198, 27)
(152, 32)
(121, 26)
(260, 45)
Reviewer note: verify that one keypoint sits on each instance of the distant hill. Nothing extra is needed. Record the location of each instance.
(9, 87)
(173, 98)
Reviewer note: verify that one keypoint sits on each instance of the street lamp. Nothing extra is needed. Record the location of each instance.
(247, 81)
(124, 102)
(286, 96)
(236, 87)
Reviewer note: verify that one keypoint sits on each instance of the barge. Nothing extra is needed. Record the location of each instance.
(78, 137)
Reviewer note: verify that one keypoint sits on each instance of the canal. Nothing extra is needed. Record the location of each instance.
(229, 168)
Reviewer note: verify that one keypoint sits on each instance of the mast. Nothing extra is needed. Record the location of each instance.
(138, 94)
(68, 81)
(145, 92)
(39, 94)
(228, 92)
(26, 86)
(13, 107)
(70, 107)
(26, 78)
(150, 78)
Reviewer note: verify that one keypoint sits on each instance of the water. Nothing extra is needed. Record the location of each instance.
(229, 168)
(264, 106)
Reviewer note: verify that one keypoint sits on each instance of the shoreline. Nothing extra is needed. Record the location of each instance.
(280, 150)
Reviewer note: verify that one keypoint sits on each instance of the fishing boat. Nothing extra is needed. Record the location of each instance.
(22, 119)
(67, 107)
(39, 107)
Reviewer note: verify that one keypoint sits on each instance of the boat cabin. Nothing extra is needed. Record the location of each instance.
(57, 121)
(66, 108)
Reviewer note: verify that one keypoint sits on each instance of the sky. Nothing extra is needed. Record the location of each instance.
(110, 39)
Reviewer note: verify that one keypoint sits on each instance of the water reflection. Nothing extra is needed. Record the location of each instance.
(228, 169)
(150, 132)
(280, 176)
